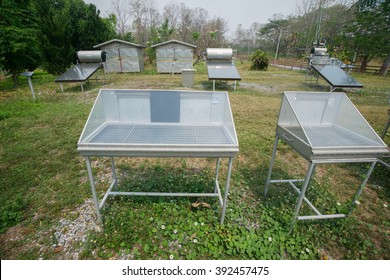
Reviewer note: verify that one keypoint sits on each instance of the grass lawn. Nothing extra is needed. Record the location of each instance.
(46, 209)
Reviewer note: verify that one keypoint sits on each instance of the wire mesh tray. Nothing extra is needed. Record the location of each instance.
(162, 134)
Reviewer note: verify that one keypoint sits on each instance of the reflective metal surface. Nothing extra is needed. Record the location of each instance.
(322, 125)
(79, 73)
(335, 76)
(222, 70)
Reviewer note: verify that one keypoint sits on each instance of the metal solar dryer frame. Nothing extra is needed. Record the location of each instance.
(309, 174)
(113, 188)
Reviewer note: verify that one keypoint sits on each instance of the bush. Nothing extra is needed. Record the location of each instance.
(259, 61)
(11, 212)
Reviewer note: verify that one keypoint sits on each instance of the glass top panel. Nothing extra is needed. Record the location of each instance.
(326, 120)
(335, 76)
(203, 116)
(79, 73)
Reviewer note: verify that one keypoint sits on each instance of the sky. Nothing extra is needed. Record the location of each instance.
(235, 12)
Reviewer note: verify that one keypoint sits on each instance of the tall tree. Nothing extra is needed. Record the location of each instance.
(56, 35)
(123, 14)
(368, 35)
(19, 44)
(68, 26)
(275, 31)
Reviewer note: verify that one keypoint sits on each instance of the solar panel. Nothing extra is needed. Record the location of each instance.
(222, 70)
(335, 76)
(79, 73)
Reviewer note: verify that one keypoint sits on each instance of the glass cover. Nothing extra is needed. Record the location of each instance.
(326, 120)
(160, 117)
(79, 73)
(335, 76)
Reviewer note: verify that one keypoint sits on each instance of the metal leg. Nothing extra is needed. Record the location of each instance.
(217, 173)
(226, 190)
(213, 85)
(92, 183)
(271, 165)
(82, 87)
(31, 86)
(217, 189)
(303, 190)
(62, 88)
(363, 184)
(386, 127)
(114, 174)
(235, 85)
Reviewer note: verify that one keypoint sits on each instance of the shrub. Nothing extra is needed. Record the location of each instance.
(259, 61)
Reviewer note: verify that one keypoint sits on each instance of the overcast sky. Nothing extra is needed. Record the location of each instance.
(235, 12)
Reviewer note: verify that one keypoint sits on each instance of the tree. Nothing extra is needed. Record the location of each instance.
(19, 44)
(122, 12)
(68, 26)
(369, 36)
(56, 35)
(364, 4)
(274, 30)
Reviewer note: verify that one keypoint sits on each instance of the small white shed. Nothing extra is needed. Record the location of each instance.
(173, 56)
(122, 56)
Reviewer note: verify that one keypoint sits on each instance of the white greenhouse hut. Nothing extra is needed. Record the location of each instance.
(122, 56)
(173, 56)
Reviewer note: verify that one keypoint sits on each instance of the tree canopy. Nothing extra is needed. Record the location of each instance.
(19, 44)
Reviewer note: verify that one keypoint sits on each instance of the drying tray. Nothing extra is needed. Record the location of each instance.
(326, 125)
(329, 142)
(154, 123)
(159, 140)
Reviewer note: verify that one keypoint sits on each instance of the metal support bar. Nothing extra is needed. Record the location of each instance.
(320, 217)
(384, 163)
(164, 194)
(386, 128)
(62, 88)
(113, 185)
(303, 190)
(235, 85)
(287, 181)
(226, 189)
(217, 172)
(31, 86)
(92, 183)
(305, 199)
(114, 172)
(363, 184)
(107, 194)
(217, 189)
(271, 165)
(213, 85)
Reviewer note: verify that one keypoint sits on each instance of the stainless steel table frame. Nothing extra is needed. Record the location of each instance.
(112, 190)
(324, 128)
(309, 174)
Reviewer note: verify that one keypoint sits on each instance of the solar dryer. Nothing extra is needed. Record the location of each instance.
(220, 65)
(325, 67)
(88, 63)
(336, 77)
(324, 128)
(156, 123)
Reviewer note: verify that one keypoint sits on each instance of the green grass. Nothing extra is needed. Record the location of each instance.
(43, 179)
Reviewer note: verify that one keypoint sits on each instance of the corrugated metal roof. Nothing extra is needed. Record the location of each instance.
(119, 41)
(174, 41)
